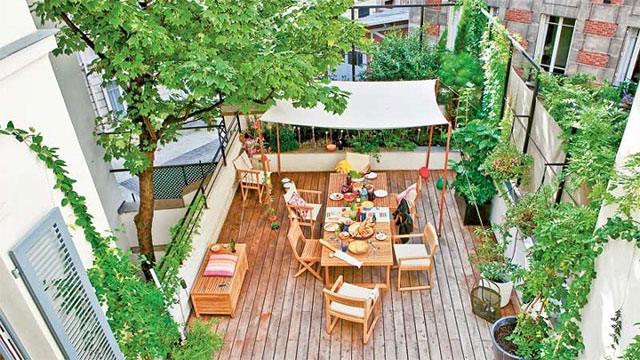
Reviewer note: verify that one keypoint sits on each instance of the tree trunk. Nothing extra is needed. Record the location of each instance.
(144, 217)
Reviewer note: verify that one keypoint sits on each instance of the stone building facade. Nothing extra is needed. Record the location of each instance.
(598, 37)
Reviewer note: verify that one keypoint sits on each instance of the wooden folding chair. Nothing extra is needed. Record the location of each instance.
(311, 211)
(359, 162)
(307, 252)
(249, 177)
(352, 303)
(415, 257)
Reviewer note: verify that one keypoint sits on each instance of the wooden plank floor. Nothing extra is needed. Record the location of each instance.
(282, 317)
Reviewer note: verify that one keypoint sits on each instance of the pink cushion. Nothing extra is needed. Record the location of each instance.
(409, 194)
(221, 265)
(296, 200)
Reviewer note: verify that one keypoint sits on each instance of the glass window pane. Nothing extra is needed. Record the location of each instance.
(569, 22)
(549, 40)
(564, 45)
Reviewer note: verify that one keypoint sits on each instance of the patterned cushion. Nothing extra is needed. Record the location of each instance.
(409, 194)
(221, 265)
(296, 200)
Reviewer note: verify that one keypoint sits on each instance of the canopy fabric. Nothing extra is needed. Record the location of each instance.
(371, 105)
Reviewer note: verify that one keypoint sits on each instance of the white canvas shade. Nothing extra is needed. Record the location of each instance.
(371, 105)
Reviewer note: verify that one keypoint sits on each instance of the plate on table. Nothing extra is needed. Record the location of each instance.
(381, 236)
(357, 180)
(371, 176)
(380, 193)
(331, 227)
(336, 196)
(285, 180)
(358, 247)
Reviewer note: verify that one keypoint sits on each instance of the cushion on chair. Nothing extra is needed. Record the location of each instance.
(221, 265)
(313, 215)
(357, 292)
(242, 162)
(297, 200)
(251, 178)
(411, 250)
(410, 194)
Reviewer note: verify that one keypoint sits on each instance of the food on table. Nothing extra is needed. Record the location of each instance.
(346, 213)
(344, 235)
(349, 197)
(330, 227)
(216, 247)
(362, 230)
(367, 205)
(336, 196)
(357, 186)
(358, 247)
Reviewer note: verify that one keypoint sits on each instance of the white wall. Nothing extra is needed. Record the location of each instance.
(30, 97)
(617, 285)
(305, 161)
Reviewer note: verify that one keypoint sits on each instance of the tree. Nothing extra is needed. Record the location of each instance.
(181, 60)
(402, 57)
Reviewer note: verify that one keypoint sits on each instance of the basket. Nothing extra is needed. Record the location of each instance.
(485, 302)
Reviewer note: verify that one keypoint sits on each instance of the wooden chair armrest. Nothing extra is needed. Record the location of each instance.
(315, 194)
(249, 171)
(406, 236)
(310, 191)
(337, 284)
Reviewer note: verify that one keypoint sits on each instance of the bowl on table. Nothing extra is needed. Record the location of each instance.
(216, 248)
(349, 197)
(367, 205)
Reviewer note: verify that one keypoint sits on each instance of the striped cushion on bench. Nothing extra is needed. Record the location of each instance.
(221, 265)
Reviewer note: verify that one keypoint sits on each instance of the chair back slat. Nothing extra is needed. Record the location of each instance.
(294, 236)
(345, 300)
(431, 238)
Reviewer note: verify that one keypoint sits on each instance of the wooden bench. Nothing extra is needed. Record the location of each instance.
(218, 294)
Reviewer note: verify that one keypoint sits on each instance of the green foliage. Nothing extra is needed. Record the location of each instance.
(179, 248)
(288, 139)
(475, 140)
(489, 255)
(460, 70)
(471, 26)
(506, 162)
(632, 352)
(529, 334)
(136, 310)
(401, 57)
(625, 187)
(495, 56)
(201, 342)
(579, 105)
(523, 213)
(370, 141)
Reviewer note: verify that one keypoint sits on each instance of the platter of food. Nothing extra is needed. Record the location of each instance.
(358, 247)
(336, 196)
(361, 230)
(380, 193)
(331, 227)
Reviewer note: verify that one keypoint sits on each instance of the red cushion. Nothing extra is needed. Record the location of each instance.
(221, 265)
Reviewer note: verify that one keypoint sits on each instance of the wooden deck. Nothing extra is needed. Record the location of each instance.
(282, 317)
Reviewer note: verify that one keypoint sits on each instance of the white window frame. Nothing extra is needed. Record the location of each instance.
(542, 36)
(628, 55)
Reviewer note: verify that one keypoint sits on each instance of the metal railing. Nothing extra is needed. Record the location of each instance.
(169, 181)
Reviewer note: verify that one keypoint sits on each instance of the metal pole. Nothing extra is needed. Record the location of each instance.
(429, 146)
(421, 25)
(567, 158)
(506, 83)
(353, 52)
(444, 179)
(532, 112)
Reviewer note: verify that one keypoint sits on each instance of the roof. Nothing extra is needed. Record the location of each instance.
(386, 17)
(371, 105)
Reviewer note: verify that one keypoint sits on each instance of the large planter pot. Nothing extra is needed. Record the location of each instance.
(504, 288)
(500, 329)
(469, 214)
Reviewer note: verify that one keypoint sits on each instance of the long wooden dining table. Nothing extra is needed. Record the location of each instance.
(382, 256)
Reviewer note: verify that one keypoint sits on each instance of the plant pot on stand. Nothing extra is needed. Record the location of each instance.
(504, 287)
(504, 349)
(469, 214)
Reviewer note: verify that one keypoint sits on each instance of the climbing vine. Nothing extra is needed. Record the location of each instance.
(495, 56)
(136, 310)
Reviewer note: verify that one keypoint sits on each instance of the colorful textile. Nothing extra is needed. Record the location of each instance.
(296, 200)
(409, 194)
(221, 265)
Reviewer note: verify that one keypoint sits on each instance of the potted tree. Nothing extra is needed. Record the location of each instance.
(507, 163)
(501, 333)
(495, 269)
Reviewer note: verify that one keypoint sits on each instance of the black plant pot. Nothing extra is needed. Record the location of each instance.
(469, 214)
(499, 353)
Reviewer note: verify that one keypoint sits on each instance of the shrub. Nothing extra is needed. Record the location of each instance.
(200, 344)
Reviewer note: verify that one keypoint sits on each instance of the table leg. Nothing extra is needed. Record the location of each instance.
(327, 279)
(388, 282)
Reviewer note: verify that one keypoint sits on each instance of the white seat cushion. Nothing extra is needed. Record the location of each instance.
(411, 250)
(314, 212)
(243, 162)
(251, 179)
(357, 292)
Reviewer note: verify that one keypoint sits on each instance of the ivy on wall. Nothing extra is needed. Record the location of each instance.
(496, 49)
(136, 310)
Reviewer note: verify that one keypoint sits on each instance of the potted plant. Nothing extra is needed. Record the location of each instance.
(474, 189)
(506, 163)
(501, 333)
(495, 269)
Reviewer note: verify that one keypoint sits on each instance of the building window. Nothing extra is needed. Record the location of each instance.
(115, 97)
(493, 10)
(359, 58)
(628, 65)
(363, 12)
(554, 43)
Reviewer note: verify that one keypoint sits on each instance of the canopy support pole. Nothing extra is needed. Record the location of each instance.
(278, 142)
(429, 148)
(444, 179)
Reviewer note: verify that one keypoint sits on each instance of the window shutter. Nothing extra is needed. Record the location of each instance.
(51, 268)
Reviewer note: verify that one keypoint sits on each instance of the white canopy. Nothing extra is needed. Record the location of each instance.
(371, 105)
